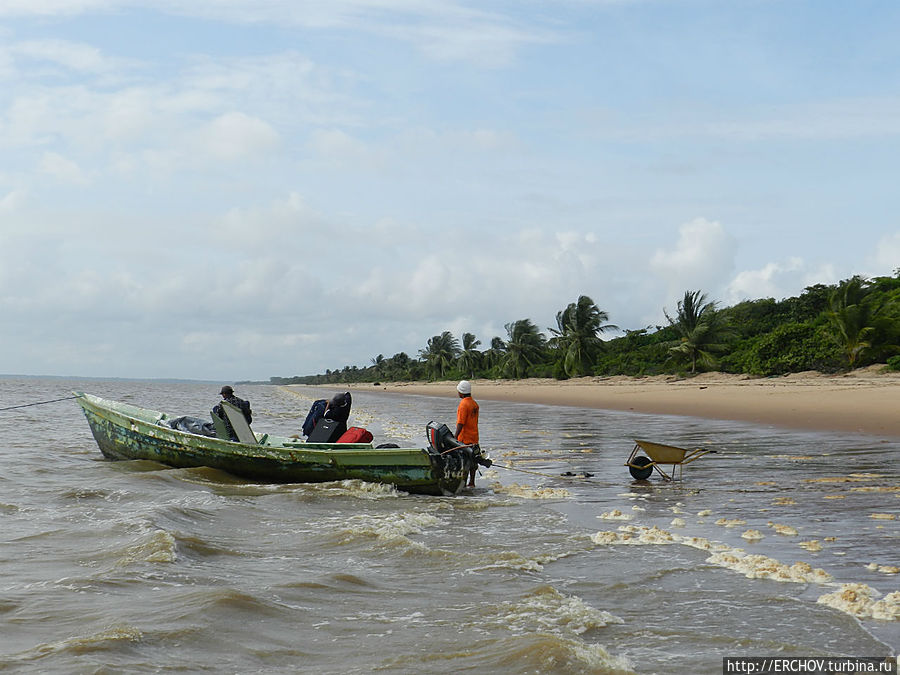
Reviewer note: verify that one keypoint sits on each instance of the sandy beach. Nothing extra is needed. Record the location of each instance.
(866, 400)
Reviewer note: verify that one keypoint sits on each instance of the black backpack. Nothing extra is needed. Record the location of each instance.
(316, 411)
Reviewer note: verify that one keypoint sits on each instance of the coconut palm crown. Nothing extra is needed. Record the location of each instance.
(524, 347)
(577, 335)
(701, 329)
(440, 353)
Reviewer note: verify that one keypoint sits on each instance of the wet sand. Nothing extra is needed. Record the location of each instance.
(865, 401)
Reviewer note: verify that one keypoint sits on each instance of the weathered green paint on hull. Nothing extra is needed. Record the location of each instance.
(124, 431)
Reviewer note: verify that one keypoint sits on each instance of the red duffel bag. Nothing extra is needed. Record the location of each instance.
(356, 435)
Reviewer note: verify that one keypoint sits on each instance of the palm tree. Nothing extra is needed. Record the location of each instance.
(440, 353)
(578, 335)
(525, 346)
(701, 328)
(398, 366)
(494, 354)
(469, 357)
(378, 365)
(858, 323)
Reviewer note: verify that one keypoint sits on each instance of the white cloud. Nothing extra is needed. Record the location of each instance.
(702, 259)
(286, 87)
(126, 116)
(71, 55)
(234, 136)
(209, 113)
(887, 255)
(77, 115)
(427, 141)
(779, 280)
(488, 40)
(849, 118)
(764, 282)
(290, 221)
(500, 277)
(11, 201)
(54, 7)
(427, 149)
(490, 139)
(340, 148)
(838, 119)
(444, 30)
(63, 169)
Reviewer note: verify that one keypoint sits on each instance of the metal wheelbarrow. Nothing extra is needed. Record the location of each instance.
(642, 466)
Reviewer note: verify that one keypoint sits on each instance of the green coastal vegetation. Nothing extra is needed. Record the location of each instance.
(827, 328)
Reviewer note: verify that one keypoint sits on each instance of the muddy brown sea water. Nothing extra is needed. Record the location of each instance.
(783, 543)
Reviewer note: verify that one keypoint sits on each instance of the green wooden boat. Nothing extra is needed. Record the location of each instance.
(126, 431)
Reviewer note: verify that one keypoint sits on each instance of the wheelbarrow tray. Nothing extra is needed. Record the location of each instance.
(662, 454)
(657, 454)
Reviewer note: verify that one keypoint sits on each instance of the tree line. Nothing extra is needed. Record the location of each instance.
(828, 328)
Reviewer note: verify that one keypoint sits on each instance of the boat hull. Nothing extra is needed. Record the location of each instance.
(125, 432)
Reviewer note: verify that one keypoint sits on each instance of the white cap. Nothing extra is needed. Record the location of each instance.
(464, 387)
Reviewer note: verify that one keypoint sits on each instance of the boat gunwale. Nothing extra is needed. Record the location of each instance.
(128, 415)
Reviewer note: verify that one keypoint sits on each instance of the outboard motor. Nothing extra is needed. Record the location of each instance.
(441, 439)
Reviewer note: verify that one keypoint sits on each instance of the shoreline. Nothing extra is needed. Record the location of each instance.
(864, 401)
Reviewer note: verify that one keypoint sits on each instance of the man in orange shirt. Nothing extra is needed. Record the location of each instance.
(467, 422)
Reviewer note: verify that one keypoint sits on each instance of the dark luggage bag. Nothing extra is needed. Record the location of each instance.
(325, 431)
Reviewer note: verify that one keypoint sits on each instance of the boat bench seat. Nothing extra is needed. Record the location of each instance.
(238, 423)
(219, 425)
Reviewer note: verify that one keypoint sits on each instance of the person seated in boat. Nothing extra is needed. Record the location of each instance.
(338, 410)
(244, 406)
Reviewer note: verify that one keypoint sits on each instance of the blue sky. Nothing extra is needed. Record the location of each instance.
(236, 189)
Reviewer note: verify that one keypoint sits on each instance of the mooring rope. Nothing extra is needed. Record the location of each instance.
(25, 405)
(536, 473)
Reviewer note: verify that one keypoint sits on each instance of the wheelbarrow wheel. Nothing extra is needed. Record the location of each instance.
(641, 471)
